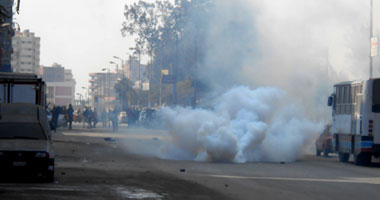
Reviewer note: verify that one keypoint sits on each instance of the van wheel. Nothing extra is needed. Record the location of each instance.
(343, 157)
(363, 159)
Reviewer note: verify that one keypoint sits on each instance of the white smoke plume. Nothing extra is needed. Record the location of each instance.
(301, 46)
(292, 51)
(244, 125)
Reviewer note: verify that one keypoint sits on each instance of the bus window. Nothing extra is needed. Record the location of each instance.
(3, 95)
(340, 95)
(376, 96)
(349, 97)
(23, 94)
(343, 94)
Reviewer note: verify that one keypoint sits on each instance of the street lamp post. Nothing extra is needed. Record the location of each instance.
(86, 94)
(371, 38)
(80, 99)
(117, 67)
(130, 66)
(122, 64)
(109, 84)
(140, 86)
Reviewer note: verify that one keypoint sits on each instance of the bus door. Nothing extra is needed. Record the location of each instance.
(374, 124)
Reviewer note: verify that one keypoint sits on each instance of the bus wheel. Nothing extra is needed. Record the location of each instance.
(343, 157)
(363, 159)
(325, 152)
(317, 152)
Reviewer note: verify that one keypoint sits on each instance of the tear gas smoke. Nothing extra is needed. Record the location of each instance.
(292, 51)
(300, 46)
(244, 125)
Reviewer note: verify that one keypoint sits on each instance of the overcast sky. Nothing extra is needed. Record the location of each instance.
(82, 35)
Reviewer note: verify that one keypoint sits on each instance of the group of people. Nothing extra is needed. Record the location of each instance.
(56, 111)
(88, 116)
(110, 117)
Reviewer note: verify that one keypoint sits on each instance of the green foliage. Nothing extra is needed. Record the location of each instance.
(172, 34)
(126, 93)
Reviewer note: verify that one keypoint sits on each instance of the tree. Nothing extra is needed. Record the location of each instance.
(126, 94)
(171, 34)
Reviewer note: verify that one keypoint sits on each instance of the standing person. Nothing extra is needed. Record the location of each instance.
(87, 116)
(90, 117)
(108, 117)
(103, 117)
(65, 116)
(84, 118)
(95, 118)
(112, 118)
(55, 113)
(78, 118)
(116, 118)
(54, 118)
(70, 113)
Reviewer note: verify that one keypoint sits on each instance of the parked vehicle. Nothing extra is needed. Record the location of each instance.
(147, 117)
(123, 118)
(324, 143)
(356, 120)
(22, 88)
(25, 142)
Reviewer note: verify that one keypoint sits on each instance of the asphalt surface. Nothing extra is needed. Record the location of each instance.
(99, 164)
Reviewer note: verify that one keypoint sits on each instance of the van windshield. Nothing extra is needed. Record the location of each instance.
(32, 131)
(376, 96)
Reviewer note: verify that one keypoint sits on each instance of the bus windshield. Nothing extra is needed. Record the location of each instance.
(376, 96)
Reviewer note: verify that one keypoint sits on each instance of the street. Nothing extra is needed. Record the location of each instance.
(99, 164)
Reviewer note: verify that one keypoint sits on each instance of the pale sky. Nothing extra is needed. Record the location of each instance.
(82, 35)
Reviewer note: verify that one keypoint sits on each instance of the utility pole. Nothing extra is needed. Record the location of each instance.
(149, 79)
(109, 87)
(160, 99)
(140, 88)
(138, 51)
(371, 42)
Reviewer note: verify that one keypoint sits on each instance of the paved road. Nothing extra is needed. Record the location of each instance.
(88, 167)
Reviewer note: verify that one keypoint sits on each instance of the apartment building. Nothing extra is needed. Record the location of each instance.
(26, 52)
(60, 84)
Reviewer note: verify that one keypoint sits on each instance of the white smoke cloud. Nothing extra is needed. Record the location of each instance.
(292, 51)
(301, 46)
(244, 125)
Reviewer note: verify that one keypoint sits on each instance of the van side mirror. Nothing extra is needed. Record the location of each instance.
(330, 101)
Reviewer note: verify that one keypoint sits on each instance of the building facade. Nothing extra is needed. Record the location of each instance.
(101, 89)
(136, 72)
(26, 52)
(60, 85)
(6, 34)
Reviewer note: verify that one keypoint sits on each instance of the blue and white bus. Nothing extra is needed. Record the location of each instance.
(356, 120)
